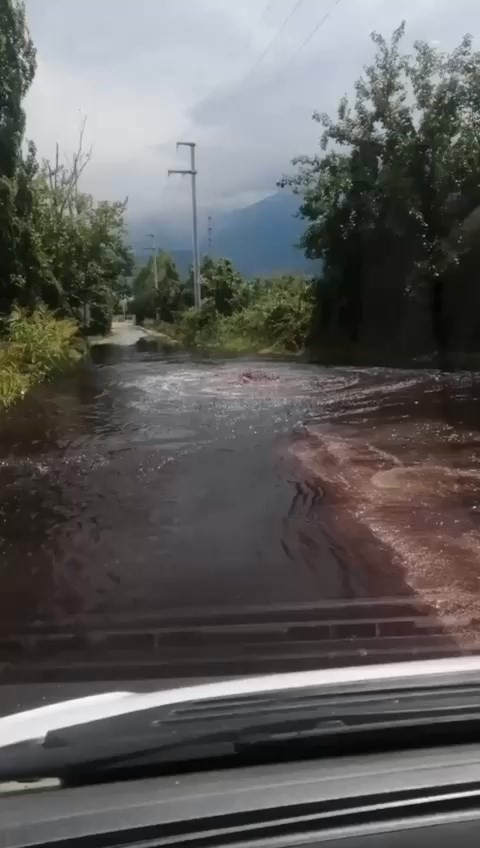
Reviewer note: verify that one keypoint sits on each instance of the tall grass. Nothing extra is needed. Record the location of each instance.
(32, 347)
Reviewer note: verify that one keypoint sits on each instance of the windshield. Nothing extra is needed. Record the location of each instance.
(239, 340)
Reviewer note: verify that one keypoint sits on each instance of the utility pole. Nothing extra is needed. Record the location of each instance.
(154, 252)
(153, 248)
(210, 235)
(196, 256)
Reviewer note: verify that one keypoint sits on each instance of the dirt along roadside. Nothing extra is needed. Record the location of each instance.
(411, 486)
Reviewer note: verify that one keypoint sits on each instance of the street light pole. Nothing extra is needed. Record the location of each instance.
(196, 254)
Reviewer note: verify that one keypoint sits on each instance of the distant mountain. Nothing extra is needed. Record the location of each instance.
(168, 235)
(260, 239)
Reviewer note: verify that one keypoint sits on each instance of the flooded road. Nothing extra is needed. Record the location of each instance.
(161, 515)
(147, 483)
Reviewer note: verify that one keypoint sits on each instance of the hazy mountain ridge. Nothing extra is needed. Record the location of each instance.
(260, 239)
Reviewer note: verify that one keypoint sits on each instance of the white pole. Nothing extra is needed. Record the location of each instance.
(155, 270)
(154, 252)
(196, 254)
(196, 257)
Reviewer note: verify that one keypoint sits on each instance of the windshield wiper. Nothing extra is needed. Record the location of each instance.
(284, 724)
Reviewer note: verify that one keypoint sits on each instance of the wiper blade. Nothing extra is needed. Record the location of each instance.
(286, 721)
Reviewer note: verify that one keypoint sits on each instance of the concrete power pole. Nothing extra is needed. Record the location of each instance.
(196, 255)
(154, 253)
(155, 269)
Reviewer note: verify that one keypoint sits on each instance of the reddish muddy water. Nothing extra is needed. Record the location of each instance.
(165, 517)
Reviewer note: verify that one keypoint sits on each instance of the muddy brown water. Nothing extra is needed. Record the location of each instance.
(155, 502)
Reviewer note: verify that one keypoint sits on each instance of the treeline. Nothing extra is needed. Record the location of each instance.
(58, 247)
(392, 205)
(392, 208)
(236, 314)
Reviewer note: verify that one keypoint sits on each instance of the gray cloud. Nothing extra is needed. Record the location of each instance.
(147, 72)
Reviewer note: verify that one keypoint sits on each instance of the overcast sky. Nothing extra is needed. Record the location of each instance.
(150, 72)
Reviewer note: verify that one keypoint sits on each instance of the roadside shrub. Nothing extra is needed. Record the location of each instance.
(199, 327)
(33, 347)
(280, 317)
(277, 316)
(101, 315)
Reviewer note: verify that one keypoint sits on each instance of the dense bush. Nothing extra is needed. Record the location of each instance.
(32, 347)
(277, 316)
(223, 285)
(199, 327)
(163, 301)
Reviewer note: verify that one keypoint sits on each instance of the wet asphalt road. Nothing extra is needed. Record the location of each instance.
(144, 483)
(154, 493)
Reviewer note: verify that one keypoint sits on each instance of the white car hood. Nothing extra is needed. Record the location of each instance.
(34, 724)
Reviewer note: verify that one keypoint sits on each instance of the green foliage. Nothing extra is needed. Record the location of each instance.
(17, 62)
(84, 246)
(223, 285)
(388, 201)
(56, 245)
(163, 303)
(17, 69)
(199, 327)
(277, 316)
(32, 348)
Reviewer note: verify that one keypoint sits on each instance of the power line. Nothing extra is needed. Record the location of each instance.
(245, 46)
(277, 35)
(264, 14)
(274, 39)
(266, 10)
(284, 68)
(315, 30)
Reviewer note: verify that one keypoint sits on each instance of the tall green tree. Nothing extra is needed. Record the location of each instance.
(82, 257)
(388, 196)
(17, 70)
(57, 245)
(223, 285)
(87, 254)
(163, 302)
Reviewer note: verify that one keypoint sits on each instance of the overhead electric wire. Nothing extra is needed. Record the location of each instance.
(309, 37)
(260, 22)
(274, 39)
(245, 46)
(266, 10)
(315, 30)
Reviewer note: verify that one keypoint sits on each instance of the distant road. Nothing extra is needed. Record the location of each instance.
(123, 333)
